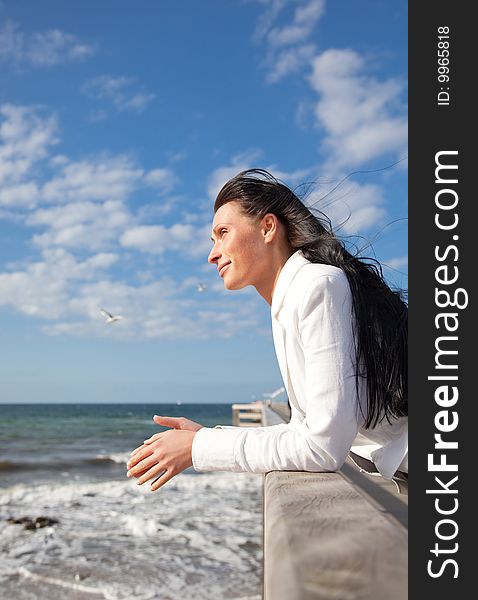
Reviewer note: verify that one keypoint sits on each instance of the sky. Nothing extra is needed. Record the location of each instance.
(119, 123)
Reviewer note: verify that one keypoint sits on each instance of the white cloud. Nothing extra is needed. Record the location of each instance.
(43, 288)
(353, 207)
(59, 160)
(54, 47)
(118, 90)
(11, 42)
(221, 175)
(266, 20)
(363, 118)
(152, 238)
(290, 61)
(155, 211)
(21, 195)
(162, 179)
(287, 45)
(40, 49)
(398, 262)
(80, 224)
(183, 238)
(97, 178)
(25, 139)
(177, 156)
(293, 179)
(306, 17)
(308, 14)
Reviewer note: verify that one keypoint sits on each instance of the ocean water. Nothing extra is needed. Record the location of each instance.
(198, 537)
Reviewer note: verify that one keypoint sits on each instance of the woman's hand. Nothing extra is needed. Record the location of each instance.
(164, 454)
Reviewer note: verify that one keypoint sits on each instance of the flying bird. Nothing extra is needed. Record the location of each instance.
(201, 287)
(109, 318)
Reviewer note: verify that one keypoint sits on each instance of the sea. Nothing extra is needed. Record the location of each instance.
(84, 530)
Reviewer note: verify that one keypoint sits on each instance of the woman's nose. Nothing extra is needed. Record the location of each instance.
(214, 254)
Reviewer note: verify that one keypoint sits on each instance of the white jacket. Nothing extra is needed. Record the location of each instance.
(312, 329)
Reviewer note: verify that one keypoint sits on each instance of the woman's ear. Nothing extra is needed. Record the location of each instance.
(269, 227)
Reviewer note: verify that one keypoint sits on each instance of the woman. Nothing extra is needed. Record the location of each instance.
(340, 335)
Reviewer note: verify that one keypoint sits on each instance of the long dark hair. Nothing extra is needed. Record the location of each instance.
(381, 316)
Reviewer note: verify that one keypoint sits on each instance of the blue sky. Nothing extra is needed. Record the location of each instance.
(120, 121)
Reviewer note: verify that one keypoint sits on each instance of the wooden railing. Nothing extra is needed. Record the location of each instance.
(332, 536)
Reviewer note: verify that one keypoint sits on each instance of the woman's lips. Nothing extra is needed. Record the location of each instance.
(223, 268)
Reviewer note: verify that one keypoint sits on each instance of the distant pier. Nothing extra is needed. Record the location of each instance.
(247, 415)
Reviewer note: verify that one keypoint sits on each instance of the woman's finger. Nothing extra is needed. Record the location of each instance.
(139, 474)
(157, 483)
(177, 423)
(173, 422)
(133, 455)
(142, 466)
(139, 456)
(150, 474)
(135, 451)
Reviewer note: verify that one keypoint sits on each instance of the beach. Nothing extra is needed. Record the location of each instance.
(103, 536)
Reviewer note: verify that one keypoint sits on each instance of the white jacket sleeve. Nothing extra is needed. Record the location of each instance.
(321, 440)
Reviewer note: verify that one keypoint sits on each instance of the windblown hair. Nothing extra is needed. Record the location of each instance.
(380, 321)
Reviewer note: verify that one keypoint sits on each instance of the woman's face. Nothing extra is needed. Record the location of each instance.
(239, 249)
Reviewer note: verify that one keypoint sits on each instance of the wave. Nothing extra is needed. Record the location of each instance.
(62, 465)
(118, 458)
(8, 465)
(5, 465)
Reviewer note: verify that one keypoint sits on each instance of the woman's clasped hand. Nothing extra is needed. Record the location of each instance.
(164, 454)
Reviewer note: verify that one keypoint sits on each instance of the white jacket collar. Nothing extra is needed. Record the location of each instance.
(286, 276)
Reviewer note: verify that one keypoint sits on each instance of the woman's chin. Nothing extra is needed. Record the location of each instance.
(232, 285)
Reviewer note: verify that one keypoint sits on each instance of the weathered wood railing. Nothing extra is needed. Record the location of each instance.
(332, 536)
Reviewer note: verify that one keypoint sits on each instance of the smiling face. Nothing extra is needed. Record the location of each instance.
(240, 250)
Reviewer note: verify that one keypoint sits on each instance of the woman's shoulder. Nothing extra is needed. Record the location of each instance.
(302, 280)
(315, 281)
(320, 275)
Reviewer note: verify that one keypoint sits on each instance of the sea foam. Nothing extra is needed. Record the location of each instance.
(198, 537)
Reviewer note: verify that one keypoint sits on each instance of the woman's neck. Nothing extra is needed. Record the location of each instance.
(267, 285)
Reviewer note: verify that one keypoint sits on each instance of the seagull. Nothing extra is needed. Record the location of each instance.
(201, 287)
(109, 318)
